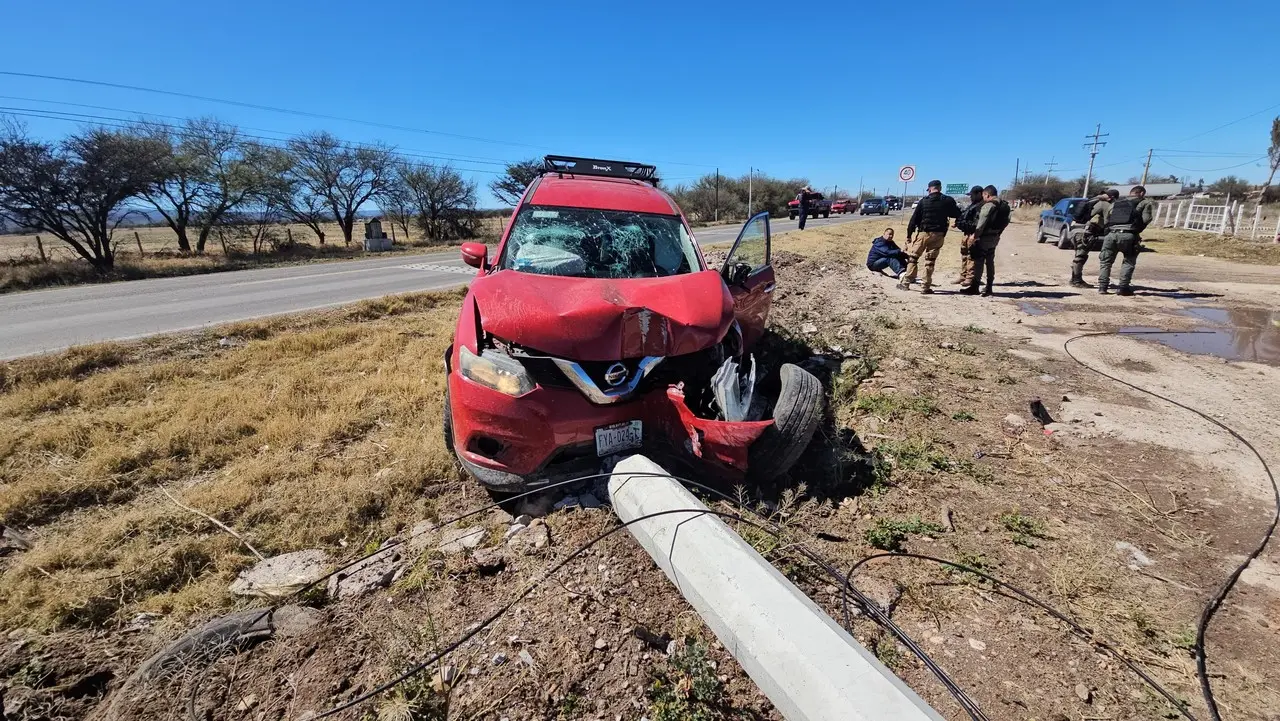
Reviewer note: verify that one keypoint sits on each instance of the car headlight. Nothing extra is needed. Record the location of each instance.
(495, 369)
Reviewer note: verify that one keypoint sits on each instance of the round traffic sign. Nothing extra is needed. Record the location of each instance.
(906, 173)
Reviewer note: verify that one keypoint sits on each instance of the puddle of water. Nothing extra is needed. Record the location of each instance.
(1033, 308)
(1250, 334)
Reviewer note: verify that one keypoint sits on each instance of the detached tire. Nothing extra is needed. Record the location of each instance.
(796, 416)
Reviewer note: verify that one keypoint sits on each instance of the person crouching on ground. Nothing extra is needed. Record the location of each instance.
(886, 254)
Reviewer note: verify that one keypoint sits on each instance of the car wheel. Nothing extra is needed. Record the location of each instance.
(1040, 233)
(1064, 240)
(796, 416)
(826, 215)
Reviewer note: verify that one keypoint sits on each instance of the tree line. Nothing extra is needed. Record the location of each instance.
(208, 181)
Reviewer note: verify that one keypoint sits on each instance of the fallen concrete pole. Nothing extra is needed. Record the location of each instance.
(807, 665)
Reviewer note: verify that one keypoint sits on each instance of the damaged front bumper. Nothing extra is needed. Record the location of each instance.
(549, 435)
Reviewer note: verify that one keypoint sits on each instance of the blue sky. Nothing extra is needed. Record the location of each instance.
(834, 92)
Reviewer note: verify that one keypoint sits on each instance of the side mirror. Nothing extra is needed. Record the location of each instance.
(475, 255)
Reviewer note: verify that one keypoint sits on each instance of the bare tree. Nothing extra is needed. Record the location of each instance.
(77, 189)
(397, 204)
(339, 176)
(210, 171)
(444, 200)
(509, 187)
(1273, 155)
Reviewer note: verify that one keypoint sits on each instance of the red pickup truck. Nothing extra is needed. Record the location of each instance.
(818, 206)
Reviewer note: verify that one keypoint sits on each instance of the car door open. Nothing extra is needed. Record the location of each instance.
(749, 274)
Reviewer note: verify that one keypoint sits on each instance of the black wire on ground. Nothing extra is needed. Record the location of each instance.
(1206, 615)
(956, 692)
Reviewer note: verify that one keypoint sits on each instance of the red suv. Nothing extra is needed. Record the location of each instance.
(597, 328)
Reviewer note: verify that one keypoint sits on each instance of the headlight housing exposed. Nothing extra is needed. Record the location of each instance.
(495, 369)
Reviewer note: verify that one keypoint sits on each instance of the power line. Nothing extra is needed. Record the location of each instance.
(1233, 122)
(1093, 153)
(268, 108)
(1211, 170)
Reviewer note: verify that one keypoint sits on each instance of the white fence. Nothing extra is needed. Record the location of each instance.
(1229, 219)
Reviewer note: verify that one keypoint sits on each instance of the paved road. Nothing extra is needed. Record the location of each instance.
(46, 320)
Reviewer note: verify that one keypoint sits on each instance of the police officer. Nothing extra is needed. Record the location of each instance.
(1124, 222)
(966, 224)
(931, 218)
(1097, 209)
(993, 218)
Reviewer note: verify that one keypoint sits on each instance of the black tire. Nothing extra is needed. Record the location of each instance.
(826, 215)
(791, 216)
(796, 417)
(1064, 240)
(1040, 233)
(447, 422)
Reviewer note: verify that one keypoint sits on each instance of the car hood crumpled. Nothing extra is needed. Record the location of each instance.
(589, 319)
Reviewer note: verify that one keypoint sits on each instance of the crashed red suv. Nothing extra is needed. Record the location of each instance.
(597, 329)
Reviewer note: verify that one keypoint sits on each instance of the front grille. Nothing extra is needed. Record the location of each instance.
(544, 372)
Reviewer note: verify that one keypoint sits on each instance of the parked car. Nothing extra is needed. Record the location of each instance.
(599, 329)
(818, 205)
(874, 206)
(844, 206)
(894, 202)
(1056, 223)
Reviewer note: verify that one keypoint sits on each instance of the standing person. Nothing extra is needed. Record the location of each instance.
(804, 197)
(966, 224)
(931, 218)
(1124, 222)
(886, 254)
(1095, 210)
(993, 218)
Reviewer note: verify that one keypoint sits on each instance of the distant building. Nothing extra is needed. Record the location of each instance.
(1157, 191)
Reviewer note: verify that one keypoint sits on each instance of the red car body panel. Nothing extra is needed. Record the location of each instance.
(589, 319)
(603, 194)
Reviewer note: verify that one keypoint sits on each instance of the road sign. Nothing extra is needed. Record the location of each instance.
(957, 188)
(906, 173)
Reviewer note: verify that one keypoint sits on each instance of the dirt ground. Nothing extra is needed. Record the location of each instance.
(1124, 513)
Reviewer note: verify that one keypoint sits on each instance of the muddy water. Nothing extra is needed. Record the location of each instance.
(1033, 308)
(1248, 334)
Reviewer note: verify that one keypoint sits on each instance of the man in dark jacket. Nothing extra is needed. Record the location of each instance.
(804, 196)
(886, 254)
(932, 217)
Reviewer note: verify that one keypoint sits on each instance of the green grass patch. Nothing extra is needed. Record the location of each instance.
(895, 406)
(687, 688)
(963, 416)
(889, 533)
(1025, 529)
(975, 329)
(915, 454)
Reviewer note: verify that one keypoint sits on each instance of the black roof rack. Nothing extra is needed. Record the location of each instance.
(603, 168)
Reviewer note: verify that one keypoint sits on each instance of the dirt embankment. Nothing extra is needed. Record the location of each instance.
(1125, 513)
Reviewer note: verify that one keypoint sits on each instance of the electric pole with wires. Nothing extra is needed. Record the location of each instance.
(1147, 168)
(1093, 153)
(1050, 165)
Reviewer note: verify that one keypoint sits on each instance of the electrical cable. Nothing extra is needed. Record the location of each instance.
(1215, 602)
(959, 694)
(1210, 170)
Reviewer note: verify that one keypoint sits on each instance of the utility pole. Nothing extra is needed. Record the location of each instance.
(1147, 168)
(1017, 166)
(1093, 153)
(750, 172)
(717, 215)
(1051, 164)
(859, 188)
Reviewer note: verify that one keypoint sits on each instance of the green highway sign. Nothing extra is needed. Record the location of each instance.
(957, 189)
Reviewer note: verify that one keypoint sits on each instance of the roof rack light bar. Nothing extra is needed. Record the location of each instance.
(604, 168)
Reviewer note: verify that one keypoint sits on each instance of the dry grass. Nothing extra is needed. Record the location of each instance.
(21, 267)
(1174, 241)
(319, 430)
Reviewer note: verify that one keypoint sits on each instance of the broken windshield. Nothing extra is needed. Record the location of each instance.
(589, 243)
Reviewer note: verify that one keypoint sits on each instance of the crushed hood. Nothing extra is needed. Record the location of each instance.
(587, 319)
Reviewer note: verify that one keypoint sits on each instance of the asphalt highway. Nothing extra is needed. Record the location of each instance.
(47, 320)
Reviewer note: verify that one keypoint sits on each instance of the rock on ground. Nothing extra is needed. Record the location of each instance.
(376, 571)
(282, 575)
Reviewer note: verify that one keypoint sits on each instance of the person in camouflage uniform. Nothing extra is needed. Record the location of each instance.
(1124, 222)
(993, 218)
(1099, 208)
(966, 224)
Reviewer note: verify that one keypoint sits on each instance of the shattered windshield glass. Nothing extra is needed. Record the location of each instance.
(588, 243)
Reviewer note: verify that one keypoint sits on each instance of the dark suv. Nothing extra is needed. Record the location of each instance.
(874, 206)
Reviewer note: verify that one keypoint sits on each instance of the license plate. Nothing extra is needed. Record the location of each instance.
(618, 437)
